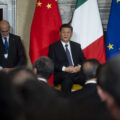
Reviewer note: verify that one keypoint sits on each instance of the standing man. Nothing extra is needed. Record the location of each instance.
(11, 49)
(67, 57)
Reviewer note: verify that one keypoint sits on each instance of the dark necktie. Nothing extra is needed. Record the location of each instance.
(6, 45)
(68, 55)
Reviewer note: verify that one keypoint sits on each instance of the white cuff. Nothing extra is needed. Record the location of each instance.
(79, 65)
(63, 68)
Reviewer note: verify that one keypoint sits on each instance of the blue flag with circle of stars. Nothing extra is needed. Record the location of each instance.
(113, 31)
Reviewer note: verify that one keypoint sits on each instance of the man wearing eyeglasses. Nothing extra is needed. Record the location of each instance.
(12, 53)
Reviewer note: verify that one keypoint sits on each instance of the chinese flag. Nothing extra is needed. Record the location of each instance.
(44, 29)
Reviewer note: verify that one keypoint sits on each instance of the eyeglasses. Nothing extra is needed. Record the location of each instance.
(4, 31)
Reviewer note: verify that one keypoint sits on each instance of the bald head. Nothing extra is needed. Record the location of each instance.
(4, 28)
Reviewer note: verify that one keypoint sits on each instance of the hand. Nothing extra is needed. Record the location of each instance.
(69, 69)
(76, 69)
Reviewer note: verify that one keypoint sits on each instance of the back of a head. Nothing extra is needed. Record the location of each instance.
(109, 78)
(21, 74)
(89, 68)
(44, 66)
(10, 102)
(39, 100)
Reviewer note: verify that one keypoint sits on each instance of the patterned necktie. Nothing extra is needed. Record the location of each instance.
(68, 55)
(6, 45)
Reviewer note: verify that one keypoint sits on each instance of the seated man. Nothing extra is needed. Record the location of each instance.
(12, 53)
(67, 57)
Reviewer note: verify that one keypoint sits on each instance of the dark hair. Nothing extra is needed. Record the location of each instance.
(44, 66)
(109, 78)
(66, 26)
(91, 69)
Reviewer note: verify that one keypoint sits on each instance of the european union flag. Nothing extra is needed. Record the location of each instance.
(113, 31)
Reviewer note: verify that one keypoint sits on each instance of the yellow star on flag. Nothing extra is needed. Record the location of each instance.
(110, 46)
(39, 4)
(118, 1)
(49, 6)
(56, 0)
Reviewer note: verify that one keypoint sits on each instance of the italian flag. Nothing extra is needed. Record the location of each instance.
(88, 31)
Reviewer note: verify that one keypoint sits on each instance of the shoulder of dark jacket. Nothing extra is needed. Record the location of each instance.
(14, 36)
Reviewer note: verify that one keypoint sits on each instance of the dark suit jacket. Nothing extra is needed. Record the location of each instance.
(58, 55)
(16, 54)
(87, 90)
(86, 104)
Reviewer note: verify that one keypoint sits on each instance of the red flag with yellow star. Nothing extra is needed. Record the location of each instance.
(44, 29)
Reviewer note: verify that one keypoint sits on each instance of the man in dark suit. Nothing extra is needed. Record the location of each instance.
(11, 49)
(86, 103)
(89, 68)
(67, 57)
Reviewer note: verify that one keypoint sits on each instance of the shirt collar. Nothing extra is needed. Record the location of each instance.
(63, 43)
(90, 81)
(6, 37)
(42, 79)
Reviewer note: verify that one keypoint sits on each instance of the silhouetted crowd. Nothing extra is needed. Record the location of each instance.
(26, 95)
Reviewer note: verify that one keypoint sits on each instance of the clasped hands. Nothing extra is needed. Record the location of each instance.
(72, 69)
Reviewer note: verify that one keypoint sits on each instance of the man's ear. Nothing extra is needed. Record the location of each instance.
(35, 71)
(71, 34)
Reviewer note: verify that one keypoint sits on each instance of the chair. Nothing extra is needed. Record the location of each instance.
(75, 87)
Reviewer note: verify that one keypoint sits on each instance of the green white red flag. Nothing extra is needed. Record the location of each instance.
(87, 29)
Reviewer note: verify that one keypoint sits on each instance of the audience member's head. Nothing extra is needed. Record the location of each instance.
(89, 68)
(43, 67)
(10, 102)
(39, 100)
(20, 75)
(109, 86)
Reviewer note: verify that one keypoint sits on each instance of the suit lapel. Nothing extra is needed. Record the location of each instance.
(10, 45)
(2, 47)
(1, 41)
(62, 50)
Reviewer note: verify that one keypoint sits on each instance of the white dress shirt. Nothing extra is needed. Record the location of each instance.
(42, 79)
(90, 81)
